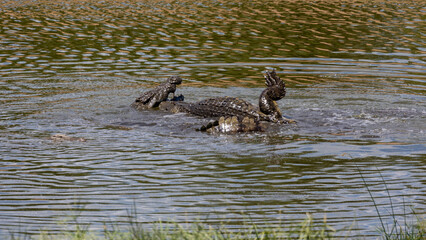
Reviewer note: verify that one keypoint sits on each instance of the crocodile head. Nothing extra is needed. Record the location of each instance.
(276, 86)
(174, 80)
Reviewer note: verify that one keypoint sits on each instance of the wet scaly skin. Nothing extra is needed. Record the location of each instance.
(154, 97)
(233, 114)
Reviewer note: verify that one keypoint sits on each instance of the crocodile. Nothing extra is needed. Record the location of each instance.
(237, 115)
(154, 97)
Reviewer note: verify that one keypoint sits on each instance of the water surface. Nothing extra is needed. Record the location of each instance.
(356, 82)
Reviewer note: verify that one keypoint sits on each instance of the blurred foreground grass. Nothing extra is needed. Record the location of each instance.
(307, 229)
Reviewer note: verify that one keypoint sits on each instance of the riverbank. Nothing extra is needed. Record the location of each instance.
(310, 228)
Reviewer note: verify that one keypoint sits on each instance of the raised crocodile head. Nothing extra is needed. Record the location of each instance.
(174, 80)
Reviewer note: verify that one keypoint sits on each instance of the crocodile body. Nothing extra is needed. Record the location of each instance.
(233, 125)
(233, 114)
(224, 107)
(231, 106)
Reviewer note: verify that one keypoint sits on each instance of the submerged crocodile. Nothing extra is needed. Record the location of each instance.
(233, 114)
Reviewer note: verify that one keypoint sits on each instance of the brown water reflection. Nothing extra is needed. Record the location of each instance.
(191, 38)
(356, 77)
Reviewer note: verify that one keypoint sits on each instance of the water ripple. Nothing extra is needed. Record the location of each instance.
(355, 77)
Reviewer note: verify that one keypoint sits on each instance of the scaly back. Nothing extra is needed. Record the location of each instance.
(225, 107)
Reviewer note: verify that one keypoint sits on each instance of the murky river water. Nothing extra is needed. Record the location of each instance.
(356, 78)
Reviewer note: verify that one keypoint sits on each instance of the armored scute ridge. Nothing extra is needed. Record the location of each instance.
(225, 107)
(230, 106)
(234, 114)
